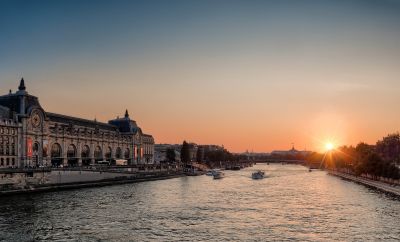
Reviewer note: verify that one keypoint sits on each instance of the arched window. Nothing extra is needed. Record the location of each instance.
(71, 152)
(126, 153)
(108, 154)
(72, 156)
(118, 153)
(97, 153)
(56, 154)
(85, 152)
(56, 150)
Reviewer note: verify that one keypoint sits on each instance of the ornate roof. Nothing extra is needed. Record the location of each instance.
(5, 112)
(60, 118)
(12, 100)
(125, 124)
(22, 85)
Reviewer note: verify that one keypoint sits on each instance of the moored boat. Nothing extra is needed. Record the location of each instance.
(236, 168)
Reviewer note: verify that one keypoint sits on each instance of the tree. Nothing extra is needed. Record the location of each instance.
(185, 153)
(389, 147)
(171, 155)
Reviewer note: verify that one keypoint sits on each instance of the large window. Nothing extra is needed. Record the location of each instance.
(126, 153)
(97, 153)
(56, 151)
(71, 153)
(56, 154)
(108, 154)
(85, 152)
(118, 153)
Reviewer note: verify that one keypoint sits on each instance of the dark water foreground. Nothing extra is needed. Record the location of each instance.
(292, 204)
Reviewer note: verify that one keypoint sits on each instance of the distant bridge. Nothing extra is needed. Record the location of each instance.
(300, 162)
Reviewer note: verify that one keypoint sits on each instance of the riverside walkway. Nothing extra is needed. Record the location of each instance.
(394, 189)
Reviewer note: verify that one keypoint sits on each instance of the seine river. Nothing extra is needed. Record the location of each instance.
(292, 204)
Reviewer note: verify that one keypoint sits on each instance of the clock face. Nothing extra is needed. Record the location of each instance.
(36, 120)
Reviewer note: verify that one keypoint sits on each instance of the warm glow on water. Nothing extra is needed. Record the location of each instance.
(291, 204)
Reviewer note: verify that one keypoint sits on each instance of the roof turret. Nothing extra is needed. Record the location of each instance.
(22, 85)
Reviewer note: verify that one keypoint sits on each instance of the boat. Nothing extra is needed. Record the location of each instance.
(218, 175)
(212, 172)
(236, 168)
(258, 175)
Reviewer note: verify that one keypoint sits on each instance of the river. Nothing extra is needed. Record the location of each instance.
(291, 204)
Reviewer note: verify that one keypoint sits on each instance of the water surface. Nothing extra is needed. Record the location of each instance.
(292, 204)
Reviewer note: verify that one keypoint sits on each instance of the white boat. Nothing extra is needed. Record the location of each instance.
(212, 172)
(218, 175)
(258, 175)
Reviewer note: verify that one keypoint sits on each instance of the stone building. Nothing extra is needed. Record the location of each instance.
(30, 136)
(9, 131)
(160, 152)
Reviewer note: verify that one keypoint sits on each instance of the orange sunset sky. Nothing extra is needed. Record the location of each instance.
(256, 75)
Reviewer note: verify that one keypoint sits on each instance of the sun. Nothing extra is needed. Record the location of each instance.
(329, 146)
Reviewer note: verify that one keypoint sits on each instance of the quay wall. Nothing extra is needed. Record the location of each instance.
(394, 189)
(68, 179)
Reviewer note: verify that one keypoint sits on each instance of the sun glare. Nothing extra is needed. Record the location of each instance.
(329, 146)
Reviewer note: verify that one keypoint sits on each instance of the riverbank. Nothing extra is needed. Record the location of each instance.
(93, 180)
(367, 182)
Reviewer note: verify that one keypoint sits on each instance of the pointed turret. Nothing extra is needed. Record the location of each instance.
(126, 114)
(22, 85)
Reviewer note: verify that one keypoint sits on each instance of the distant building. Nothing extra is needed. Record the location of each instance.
(160, 152)
(30, 136)
(291, 152)
(193, 151)
(203, 149)
(196, 152)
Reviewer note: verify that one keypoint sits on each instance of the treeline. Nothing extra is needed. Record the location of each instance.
(205, 155)
(379, 160)
(219, 155)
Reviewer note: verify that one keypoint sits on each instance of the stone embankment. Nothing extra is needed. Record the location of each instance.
(394, 189)
(53, 180)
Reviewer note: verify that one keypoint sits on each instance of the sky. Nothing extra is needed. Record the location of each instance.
(249, 75)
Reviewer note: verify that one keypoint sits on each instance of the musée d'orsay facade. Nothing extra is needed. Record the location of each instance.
(30, 136)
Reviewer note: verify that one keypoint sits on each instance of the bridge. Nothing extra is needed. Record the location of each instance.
(300, 162)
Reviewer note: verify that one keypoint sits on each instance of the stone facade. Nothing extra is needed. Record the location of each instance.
(41, 138)
(9, 130)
